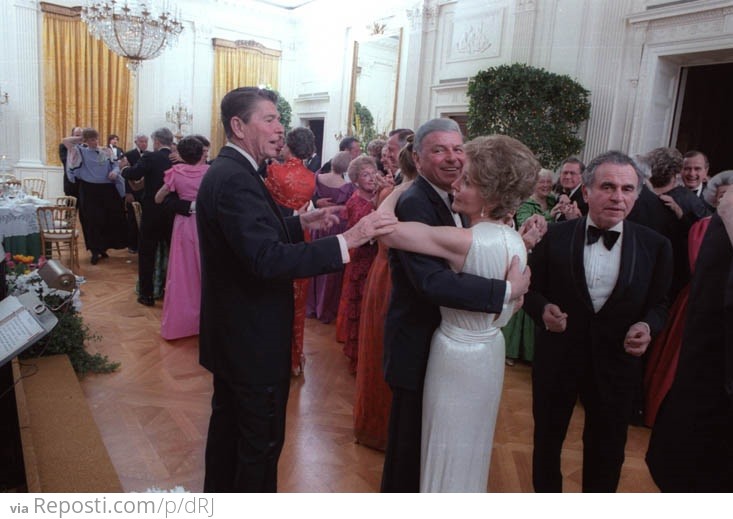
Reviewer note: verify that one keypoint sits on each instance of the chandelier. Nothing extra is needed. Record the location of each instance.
(180, 117)
(132, 29)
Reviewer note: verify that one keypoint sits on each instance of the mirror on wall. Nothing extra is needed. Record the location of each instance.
(374, 85)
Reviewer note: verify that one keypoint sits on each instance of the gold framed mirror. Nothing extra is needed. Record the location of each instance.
(375, 82)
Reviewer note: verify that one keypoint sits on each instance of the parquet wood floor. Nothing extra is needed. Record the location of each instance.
(153, 413)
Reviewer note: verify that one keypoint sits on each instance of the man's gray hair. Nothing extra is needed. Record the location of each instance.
(434, 125)
(611, 157)
(163, 135)
(141, 136)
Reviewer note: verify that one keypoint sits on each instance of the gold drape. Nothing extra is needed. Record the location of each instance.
(238, 64)
(84, 83)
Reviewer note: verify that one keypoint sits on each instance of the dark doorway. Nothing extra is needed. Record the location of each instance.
(705, 120)
(461, 119)
(316, 126)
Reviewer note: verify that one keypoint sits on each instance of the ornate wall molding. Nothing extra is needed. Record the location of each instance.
(245, 44)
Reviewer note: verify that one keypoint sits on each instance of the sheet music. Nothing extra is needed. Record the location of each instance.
(17, 327)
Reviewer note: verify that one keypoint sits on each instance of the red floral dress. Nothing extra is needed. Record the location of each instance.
(292, 185)
(355, 277)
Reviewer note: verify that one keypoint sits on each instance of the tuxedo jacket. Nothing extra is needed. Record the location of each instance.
(152, 167)
(420, 285)
(593, 343)
(250, 255)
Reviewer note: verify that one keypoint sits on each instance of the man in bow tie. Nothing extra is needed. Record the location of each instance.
(598, 295)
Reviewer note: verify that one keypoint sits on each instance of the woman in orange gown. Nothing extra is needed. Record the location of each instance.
(292, 185)
(373, 397)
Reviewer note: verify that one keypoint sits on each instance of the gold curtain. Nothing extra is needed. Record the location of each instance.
(238, 64)
(84, 83)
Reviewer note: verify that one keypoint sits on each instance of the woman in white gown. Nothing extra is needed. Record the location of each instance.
(465, 369)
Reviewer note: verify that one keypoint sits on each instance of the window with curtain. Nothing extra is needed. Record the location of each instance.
(84, 83)
(237, 64)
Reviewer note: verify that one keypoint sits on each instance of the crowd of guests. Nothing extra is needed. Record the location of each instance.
(416, 248)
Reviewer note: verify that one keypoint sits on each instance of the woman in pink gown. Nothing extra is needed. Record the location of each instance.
(182, 302)
(292, 185)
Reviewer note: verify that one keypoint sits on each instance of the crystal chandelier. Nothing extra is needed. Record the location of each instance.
(132, 29)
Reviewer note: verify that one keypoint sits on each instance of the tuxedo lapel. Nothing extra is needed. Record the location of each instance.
(230, 152)
(577, 250)
(444, 214)
(627, 267)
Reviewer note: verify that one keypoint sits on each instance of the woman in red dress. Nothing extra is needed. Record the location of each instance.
(362, 172)
(292, 185)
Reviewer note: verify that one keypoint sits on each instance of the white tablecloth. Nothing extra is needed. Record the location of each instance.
(18, 217)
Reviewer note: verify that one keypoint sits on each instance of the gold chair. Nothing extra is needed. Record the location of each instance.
(57, 225)
(66, 201)
(137, 208)
(34, 186)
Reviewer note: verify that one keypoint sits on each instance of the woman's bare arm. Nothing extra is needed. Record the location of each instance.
(161, 194)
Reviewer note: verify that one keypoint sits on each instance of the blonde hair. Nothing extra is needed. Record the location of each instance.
(504, 170)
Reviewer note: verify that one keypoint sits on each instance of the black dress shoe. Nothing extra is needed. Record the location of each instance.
(95, 258)
(146, 300)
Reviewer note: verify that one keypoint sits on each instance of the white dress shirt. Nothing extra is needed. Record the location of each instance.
(601, 266)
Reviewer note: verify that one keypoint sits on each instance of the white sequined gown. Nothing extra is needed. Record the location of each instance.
(464, 376)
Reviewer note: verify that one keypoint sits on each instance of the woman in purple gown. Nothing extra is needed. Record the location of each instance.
(331, 190)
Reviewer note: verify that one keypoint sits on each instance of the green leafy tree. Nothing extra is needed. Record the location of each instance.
(286, 112)
(541, 109)
(362, 126)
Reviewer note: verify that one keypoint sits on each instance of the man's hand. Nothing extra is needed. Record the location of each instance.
(637, 339)
(372, 226)
(555, 319)
(112, 175)
(129, 198)
(518, 277)
(320, 219)
(572, 211)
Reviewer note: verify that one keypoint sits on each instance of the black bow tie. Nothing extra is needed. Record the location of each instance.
(450, 202)
(609, 237)
(262, 170)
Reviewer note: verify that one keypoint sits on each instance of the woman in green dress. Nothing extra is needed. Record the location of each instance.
(519, 331)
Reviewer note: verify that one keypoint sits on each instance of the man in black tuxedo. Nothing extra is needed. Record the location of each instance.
(420, 285)
(157, 220)
(396, 141)
(695, 174)
(250, 255)
(569, 185)
(134, 191)
(597, 301)
(691, 447)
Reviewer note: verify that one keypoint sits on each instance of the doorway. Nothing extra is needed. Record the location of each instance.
(705, 123)
(316, 126)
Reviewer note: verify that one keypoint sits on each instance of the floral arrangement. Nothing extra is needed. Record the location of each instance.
(70, 333)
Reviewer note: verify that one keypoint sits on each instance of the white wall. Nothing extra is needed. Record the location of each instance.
(625, 53)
